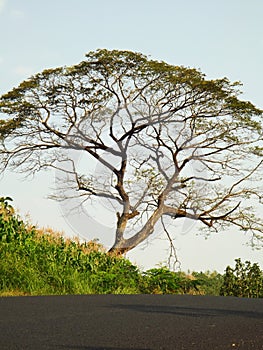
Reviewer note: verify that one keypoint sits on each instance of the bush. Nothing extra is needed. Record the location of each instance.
(163, 281)
(245, 280)
(209, 283)
(160, 281)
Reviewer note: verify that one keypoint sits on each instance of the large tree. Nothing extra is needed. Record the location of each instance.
(171, 144)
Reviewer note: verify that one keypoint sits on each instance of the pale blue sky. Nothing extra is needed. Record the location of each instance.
(222, 38)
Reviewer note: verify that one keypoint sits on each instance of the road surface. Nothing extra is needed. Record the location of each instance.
(138, 322)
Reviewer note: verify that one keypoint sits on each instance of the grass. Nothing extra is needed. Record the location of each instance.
(42, 262)
(36, 262)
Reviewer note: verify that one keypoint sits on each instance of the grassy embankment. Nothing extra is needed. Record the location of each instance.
(40, 262)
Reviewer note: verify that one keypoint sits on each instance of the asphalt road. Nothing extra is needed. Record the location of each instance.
(138, 322)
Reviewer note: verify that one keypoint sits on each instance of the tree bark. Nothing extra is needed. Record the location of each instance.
(122, 246)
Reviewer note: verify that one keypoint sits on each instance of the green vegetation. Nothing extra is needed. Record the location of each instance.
(245, 280)
(41, 262)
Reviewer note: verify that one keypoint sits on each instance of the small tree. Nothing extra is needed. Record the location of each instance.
(209, 283)
(245, 280)
(10, 224)
(161, 281)
(171, 144)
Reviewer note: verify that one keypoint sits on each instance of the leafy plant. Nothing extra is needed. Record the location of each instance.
(10, 224)
(245, 280)
(40, 261)
(34, 261)
(209, 283)
(160, 281)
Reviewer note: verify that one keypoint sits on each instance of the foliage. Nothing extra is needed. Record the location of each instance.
(171, 144)
(209, 283)
(34, 261)
(245, 280)
(161, 281)
(10, 225)
(37, 262)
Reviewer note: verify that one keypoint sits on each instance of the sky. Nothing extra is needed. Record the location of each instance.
(221, 38)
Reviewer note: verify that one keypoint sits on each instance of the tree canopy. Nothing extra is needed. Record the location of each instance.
(171, 144)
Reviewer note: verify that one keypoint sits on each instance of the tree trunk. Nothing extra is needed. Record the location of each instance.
(122, 245)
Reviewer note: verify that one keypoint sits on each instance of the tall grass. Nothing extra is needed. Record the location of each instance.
(37, 264)
(37, 261)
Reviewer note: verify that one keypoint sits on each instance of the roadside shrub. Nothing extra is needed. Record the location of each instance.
(160, 281)
(208, 283)
(245, 280)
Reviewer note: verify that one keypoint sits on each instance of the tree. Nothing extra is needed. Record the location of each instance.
(171, 144)
(245, 280)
